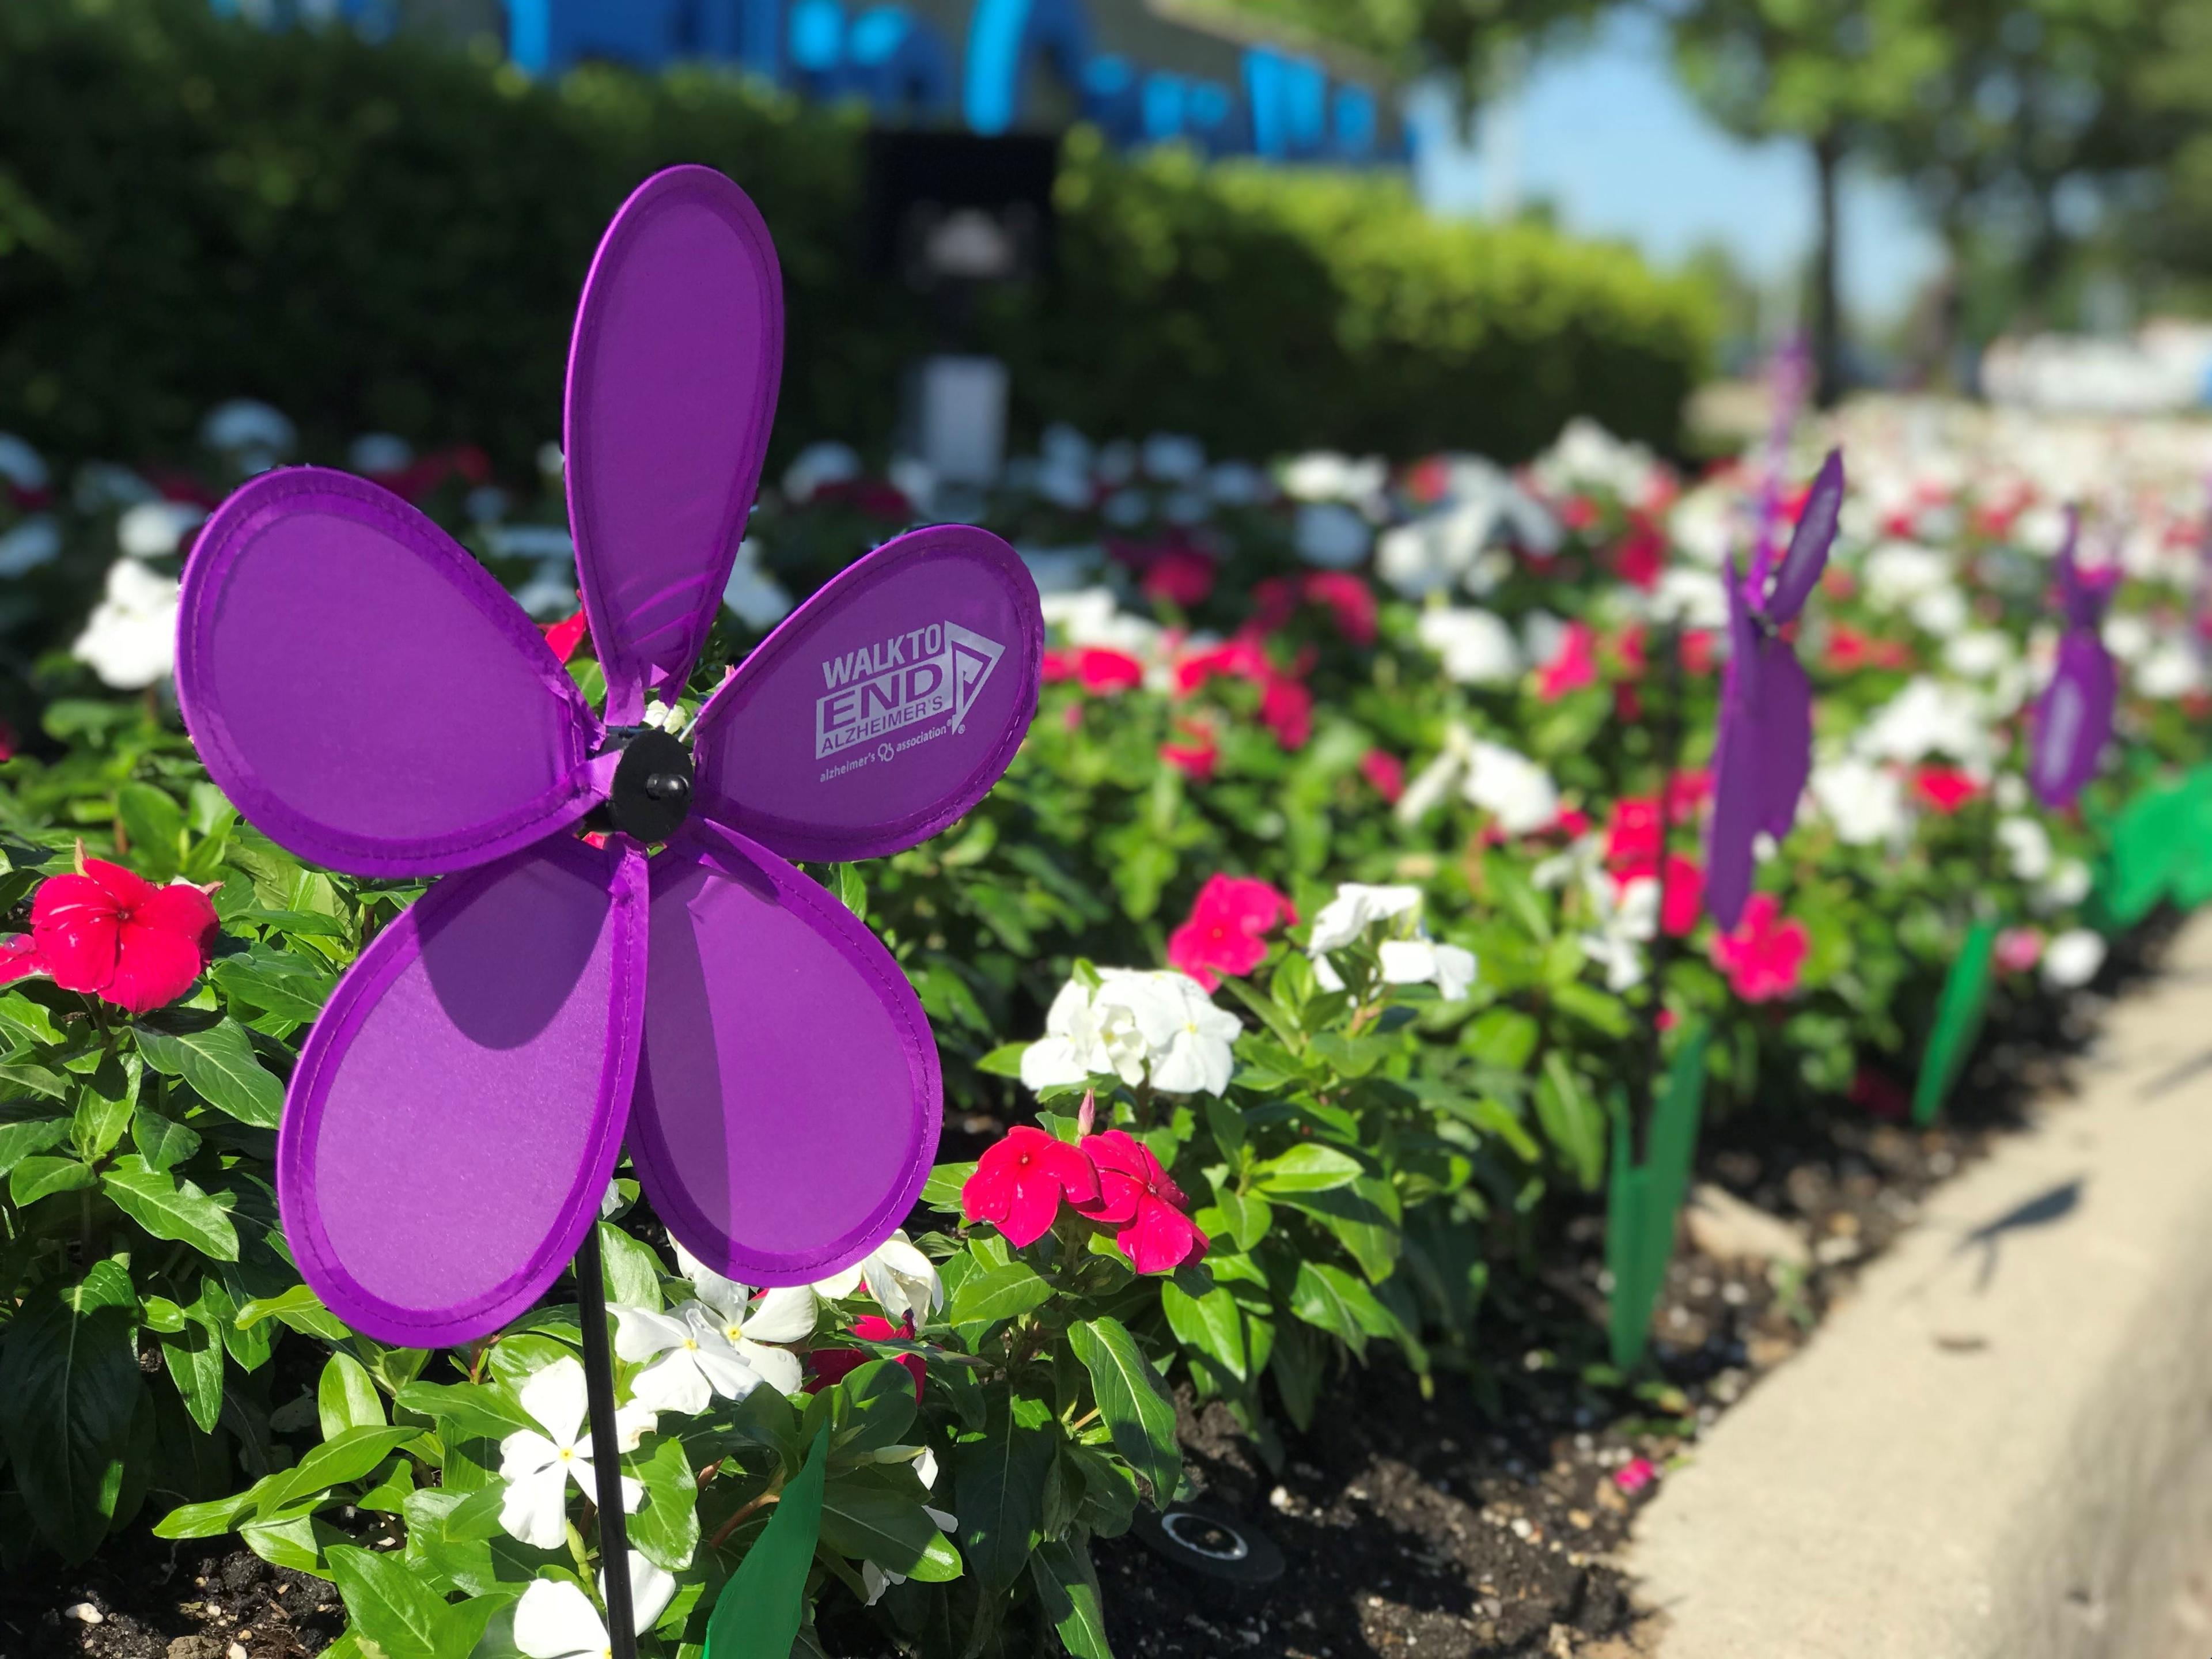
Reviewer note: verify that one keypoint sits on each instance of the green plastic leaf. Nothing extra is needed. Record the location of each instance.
(69, 1373)
(220, 1064)
(1643, 1201)
(763, 1605)
(1959, 1014)
(1067, 1588)
(1135, 1408)
(169, 1208)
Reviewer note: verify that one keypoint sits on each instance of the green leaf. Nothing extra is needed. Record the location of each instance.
(1067, 1589)
(220, 1064)
(1135, 1408)
(345, 1457)
(163, 1142)
(389, 1605)
(666, 1530)
(346, 1398)
(997, 1293)
(1247, 1215)
(39, 1079)
(69, 1373)
(851, 888)
(154, 826)
(1004, 1061)
(1503, 1037)
(299, 1308)
(633, 1270)
(1331, 1299)
(875, 1514)
(27, 1021)
(20, 1141)
(104, 1102)
(1213, 1324)
(999, 1494)
(35, 1178)
(194, 1357)
(466, 1411)
(1310, 1167)
(763, 1604)
(1959, 1009)
(289, 987)
(169, 1208)
(941, 1192)
(297, 1541)
(1572, 1118)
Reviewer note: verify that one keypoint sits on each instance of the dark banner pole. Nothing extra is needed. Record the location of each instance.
(606, 1444)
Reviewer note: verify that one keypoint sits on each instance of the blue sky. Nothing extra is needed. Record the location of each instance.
(1606, 133)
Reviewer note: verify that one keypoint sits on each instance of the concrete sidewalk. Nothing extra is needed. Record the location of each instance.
(2001, 1447)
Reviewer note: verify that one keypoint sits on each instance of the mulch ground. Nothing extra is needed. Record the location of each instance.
(1479, 1519)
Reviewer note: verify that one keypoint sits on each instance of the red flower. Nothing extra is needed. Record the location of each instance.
(1578, 512)
(1018, 1184)
(1697, 650)
(1635, 1476)
(1765, 954)
(1348, 599)
(1180, 577)
(1639, 560)
(1946, 789)
(1573, 667)
(565, 636)
(1878, 1094)
(1136, 1195)
(1632, 836)
(1686, 791)
(1849, 649)
(119, 938)
(1238, 659)
(19, 959)
(1197, 757)
(1287, 710)
(1385, 772)
(1102, 672)
(2019, 949)
(1225, 933)
(836, 1364)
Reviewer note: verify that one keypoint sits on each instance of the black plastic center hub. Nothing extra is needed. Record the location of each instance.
(652, 793)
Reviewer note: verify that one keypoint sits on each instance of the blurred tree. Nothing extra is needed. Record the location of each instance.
(1831, 73)
(2032, 124)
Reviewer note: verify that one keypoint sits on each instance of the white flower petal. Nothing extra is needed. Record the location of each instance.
(673, 1382)
(777, 1367)
(783, 1315)
(535, 1508)
(555, 1396)
(555, 1620)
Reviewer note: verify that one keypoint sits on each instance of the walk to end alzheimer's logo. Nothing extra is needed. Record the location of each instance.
(926, 674)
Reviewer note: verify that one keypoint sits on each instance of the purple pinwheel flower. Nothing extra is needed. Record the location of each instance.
(2074, 717)
(1764, 746)
(458, 1108)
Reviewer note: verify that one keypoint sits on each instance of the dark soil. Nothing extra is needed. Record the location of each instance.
(1478, 1521)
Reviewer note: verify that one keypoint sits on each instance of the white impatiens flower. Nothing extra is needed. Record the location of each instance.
(904, 1282)
(2170, 670)
(1324, 476)
(1928, 718)
(255, 436)
(538, 1467)
(151, 530)
(1155, 1026)
(1477, 648)
(1330, 535)
(2072, 959)
(130, 639)
(1898, 572)
(1432, 553)
(1628, 918)
(1511, 787)
(555, 1620)
(378, 452)
(1865, 802)
(758, 598)
(2027, 848)
(819, 465)
(1408, 956)
(720, 1343)
(2068, 884)
(35, 542)
(1173, 457)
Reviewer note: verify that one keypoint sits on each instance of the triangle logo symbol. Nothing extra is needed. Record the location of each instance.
(973, 658)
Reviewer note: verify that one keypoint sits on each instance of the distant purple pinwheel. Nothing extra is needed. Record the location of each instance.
(1764, 746)
(2074, 717)
(373, 701)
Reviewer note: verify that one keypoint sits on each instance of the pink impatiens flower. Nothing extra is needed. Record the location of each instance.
(1634, 1475)
(836, 1364)
(1385, 773)
(1136, 1196)
(1766, 952)
(1226, 933)
(1573, 666)
(1018, 1184)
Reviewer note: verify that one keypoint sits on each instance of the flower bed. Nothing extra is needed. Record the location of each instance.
(1294, 991)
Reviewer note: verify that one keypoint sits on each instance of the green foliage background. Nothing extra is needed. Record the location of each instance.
(387, 238)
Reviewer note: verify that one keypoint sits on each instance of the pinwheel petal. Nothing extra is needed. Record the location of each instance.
(672, 377)
(1734, 821)
(2073, 720)
(1808, 546)
(788, 1097)
(364, 691)
(1781, 737)
(884, 707)
(457, 1110)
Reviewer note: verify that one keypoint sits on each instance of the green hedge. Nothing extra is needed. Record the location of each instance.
(392, 238)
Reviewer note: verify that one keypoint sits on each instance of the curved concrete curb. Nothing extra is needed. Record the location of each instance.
(2001, 1447)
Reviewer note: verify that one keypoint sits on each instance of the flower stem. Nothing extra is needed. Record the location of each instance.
(772, 1495)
